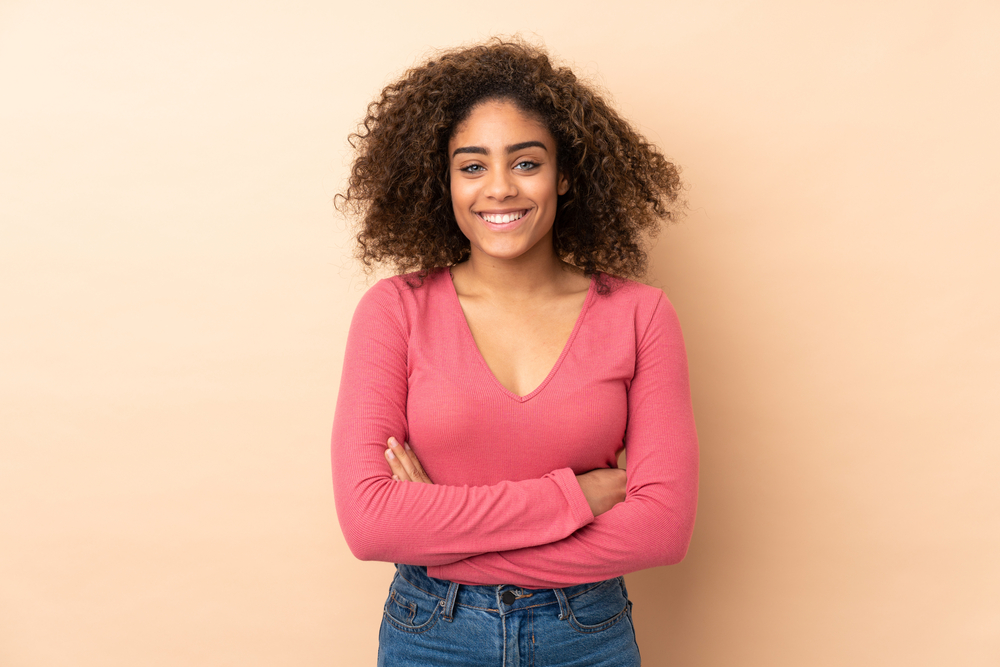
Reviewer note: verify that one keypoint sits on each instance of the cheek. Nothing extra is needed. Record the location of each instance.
(545, 191)
(461, 193)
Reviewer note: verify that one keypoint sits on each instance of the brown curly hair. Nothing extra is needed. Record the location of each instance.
(621, 186)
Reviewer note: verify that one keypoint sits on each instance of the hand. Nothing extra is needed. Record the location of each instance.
(404, 464)
(604, 488)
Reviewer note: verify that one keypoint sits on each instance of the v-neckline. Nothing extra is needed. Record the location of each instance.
(460, 312)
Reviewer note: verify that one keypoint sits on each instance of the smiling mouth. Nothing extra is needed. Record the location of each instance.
(503, 218)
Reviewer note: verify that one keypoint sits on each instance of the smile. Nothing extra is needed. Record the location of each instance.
(503, 218)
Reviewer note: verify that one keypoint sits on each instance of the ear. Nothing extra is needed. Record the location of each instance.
(562, 184)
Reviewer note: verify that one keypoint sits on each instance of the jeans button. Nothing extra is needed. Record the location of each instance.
(508, 598)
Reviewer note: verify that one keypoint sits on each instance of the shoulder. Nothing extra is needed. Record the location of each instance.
(630, 295)
(646, 307)
(416, 284)
(400, 297)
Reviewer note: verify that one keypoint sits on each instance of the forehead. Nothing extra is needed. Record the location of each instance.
(501, 123)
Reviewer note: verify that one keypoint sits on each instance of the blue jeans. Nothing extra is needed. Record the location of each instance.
(438, 623)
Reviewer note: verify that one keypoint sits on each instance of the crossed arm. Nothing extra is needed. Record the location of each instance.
(603, 488)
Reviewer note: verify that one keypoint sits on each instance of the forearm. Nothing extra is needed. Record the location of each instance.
(639, 533)
(431, 524)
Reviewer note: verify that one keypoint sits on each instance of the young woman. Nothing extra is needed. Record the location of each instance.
(488, 390)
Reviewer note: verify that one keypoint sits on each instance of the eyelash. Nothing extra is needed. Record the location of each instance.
(476, 168)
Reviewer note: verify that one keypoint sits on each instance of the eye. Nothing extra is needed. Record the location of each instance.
(472, 168)
(526, 165)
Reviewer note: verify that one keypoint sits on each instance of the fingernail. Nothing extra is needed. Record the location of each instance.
(407, 445)
(393, 442)
(389, 454)
(396, 477)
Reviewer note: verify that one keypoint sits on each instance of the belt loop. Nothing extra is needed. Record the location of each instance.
(449, 602)
(563, 604)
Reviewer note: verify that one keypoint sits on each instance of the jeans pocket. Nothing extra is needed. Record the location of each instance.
(409, 609)
(600, 607)
(400, 608)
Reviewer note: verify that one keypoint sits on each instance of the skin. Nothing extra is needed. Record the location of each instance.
(520, 299)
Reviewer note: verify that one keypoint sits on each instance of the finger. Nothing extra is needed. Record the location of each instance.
(421, 475)
(403, 458)
(406, 459)
(398, 471)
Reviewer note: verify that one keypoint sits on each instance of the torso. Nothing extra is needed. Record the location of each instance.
(471, 429)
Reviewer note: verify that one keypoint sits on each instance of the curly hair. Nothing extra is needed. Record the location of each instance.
(621, 186)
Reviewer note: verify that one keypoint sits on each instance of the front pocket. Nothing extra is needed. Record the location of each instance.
(400, 608)
(599, 608)
(415, 612)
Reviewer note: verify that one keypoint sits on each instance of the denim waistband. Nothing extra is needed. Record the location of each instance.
(501, 598)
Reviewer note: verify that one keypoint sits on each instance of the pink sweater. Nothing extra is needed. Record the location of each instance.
(505, 506)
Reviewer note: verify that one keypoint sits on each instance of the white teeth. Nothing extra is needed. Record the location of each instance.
(502, 218)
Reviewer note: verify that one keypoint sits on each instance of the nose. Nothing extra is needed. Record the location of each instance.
(501, 185)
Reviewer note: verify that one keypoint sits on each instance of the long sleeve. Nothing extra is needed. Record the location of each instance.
(653, 526)
(413, 523)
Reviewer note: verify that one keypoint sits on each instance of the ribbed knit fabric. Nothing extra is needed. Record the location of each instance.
(505, 506)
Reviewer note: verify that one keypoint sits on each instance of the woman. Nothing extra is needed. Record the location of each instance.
(486, 395)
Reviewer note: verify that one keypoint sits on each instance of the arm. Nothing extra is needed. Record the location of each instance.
(603, 488)
(423, 524)
(654, 524)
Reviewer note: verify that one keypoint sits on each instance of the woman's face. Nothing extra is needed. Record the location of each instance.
(505, 182)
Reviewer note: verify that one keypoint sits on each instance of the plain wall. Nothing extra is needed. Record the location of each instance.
(175, 293)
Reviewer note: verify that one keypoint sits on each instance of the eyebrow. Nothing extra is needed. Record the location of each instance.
(479, 150)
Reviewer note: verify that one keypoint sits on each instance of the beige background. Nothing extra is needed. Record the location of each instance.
(175, 292)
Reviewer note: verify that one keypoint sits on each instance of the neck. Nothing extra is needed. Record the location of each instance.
(537, 272)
